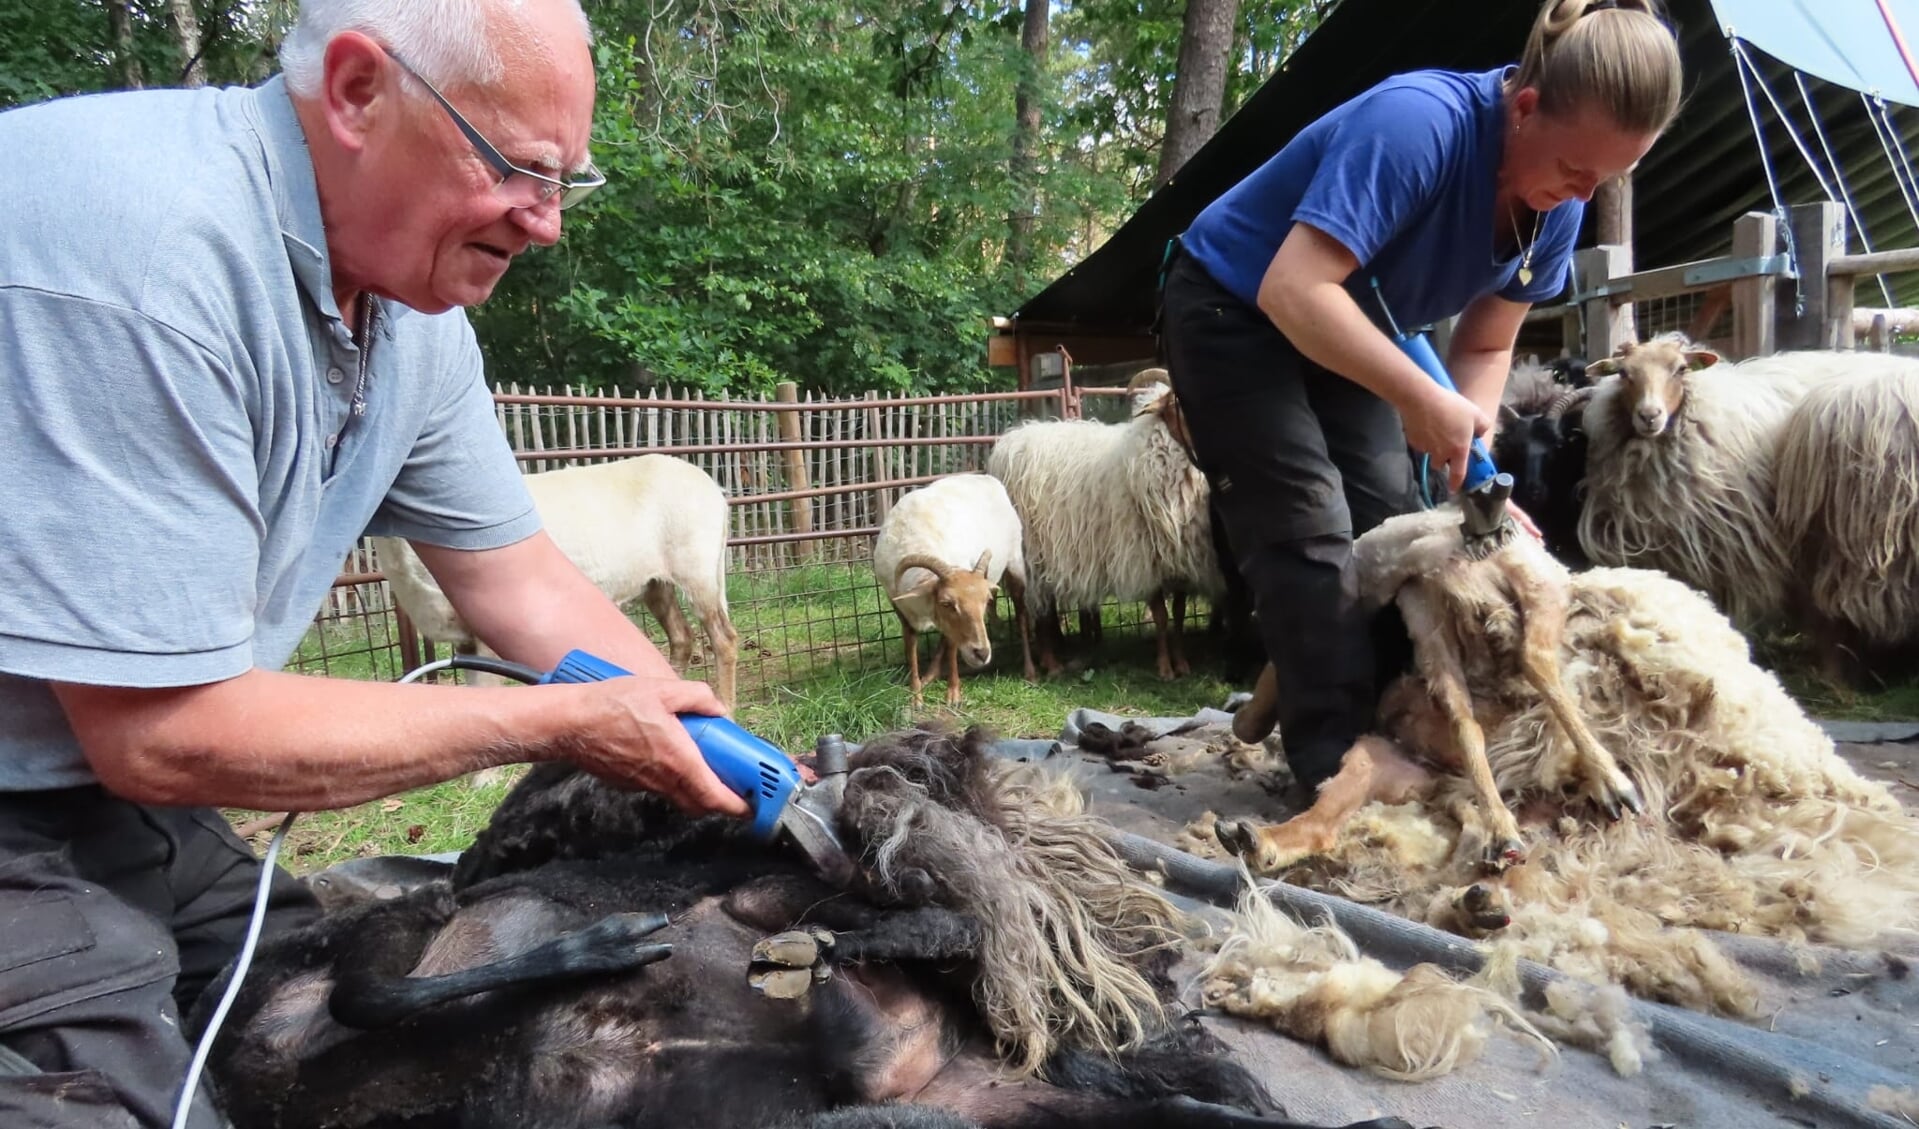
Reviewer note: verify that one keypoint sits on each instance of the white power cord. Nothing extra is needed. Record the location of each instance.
(254, 926)
(239, 973)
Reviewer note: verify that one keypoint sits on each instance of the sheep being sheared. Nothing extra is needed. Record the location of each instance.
(1848, 509)
(637, 967)
(1753, 823)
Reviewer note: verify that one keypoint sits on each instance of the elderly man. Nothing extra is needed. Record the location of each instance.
(231, 342)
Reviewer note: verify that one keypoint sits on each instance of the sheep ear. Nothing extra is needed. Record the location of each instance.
(1701, 358)
(1603, 368)
(915, 605)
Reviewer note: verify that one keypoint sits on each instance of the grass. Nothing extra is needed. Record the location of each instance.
(820, 653)
(1791, 658)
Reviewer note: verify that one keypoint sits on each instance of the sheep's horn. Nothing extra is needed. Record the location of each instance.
(926, 561)
(985, 556)
(1566, 401)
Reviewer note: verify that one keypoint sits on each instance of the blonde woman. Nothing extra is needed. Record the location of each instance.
(1460, 194)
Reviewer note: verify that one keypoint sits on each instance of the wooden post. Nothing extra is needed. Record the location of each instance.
(1838, 332)
(1608, 324)
(1818, 234)
(793, 431)
(1880, 335)
(1612, 227)
(1755, 235)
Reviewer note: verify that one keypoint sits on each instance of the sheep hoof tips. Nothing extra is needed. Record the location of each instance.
(797, 957)
(1238, 838)
(1505, 854)
(1481, 909)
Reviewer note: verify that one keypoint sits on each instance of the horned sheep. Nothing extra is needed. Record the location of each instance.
(941, 555)
(1111, 511)
(1680, 471)
(639, 528)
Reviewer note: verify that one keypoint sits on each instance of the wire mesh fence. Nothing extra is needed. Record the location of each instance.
(808, 482)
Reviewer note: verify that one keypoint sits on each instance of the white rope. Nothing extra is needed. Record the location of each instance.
(1892, 162)
(1785, 122)
(1838, 177)
(1899, 147)
(1740, 65)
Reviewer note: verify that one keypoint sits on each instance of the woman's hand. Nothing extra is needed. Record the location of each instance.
(1442, 425)
(1524, 522)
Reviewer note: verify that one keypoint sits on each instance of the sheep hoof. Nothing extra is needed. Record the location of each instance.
(795, 948)
(1481, 910)
(781, 983)
(1503, 854)
(1238, 838)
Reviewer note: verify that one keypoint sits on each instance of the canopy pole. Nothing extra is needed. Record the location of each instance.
(1899, 40)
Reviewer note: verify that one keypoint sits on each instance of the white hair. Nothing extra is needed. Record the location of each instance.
(445, 40)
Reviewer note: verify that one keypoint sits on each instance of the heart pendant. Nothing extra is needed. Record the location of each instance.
(1525, 276)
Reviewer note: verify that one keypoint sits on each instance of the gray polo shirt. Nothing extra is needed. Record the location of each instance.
(182, 471)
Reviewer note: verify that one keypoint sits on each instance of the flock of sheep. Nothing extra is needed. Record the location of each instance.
(1785, 487)
(1604, 779)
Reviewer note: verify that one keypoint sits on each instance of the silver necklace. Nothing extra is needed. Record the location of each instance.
(1526, 253)
(365, 334)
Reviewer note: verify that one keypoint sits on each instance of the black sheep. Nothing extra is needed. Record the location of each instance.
(588, 967)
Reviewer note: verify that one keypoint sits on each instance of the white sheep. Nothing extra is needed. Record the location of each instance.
(940, 555)
(1679, 466)
(1111, 511)
(1848, 510)
(638, 528)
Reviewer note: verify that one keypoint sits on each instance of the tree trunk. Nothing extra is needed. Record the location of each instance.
(186, 27)
(1205, 49)
(1026, 141)
(120, 31)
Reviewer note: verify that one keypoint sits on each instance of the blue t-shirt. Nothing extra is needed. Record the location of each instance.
(185, 468)
(1404, 176)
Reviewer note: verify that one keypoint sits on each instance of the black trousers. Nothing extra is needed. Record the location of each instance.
(113, 919)
(1301, 461)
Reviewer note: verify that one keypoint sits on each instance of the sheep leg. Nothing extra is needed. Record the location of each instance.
(952, 673)
(608, 946)
(1091, 628)
(791, 962)
(1180, 666)
(1436, 655)
(913, 683)
(662, 599)
(1371, 770)
(724, 638)
(1542, 607)
(1050, 640)
(1157, 605)
(1016, 588)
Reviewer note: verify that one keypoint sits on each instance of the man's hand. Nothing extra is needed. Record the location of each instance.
(640, 743)
(1442, 425)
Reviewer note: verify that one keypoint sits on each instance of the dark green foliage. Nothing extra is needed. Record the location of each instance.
(800, 189)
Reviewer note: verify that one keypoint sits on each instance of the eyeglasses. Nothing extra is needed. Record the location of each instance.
(520, 187)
